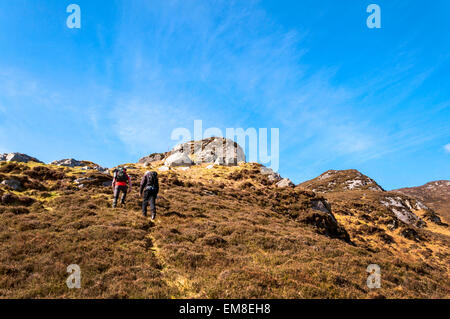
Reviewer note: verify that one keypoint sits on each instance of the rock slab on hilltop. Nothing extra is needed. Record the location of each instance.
(18, 157)
(84, 165)
(70, 162)
(155, 157)
(214, 150)
(285, 182)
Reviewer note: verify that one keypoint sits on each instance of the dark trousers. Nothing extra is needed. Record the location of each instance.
(117, 191)
(149, 198)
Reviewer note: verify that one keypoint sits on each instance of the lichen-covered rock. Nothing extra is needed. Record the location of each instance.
(325, 223)
(285, 182)
(178, 159)
(13, 184)
(69, 162)
(402, 208)
(321, 205)
(22, 158)
(155, 157)
(211, 150)
(271, 175)
(344, 180)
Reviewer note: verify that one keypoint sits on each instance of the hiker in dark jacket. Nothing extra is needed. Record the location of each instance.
(121, 184)
(149, 190)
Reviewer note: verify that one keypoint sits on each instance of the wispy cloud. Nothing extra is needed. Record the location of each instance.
(249, 71)
(230, 64)
(447, 148)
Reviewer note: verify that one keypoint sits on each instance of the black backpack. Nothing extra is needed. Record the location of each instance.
(150, 186)
(121, 176)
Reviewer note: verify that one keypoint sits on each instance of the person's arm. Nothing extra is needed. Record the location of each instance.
(143, 182)
(156, 185)
(129, 183)
(113, 184)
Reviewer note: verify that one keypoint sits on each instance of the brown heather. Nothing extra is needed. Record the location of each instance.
(225, 232)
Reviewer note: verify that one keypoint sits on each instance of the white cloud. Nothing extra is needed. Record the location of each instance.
(145, 126)
(447, 148)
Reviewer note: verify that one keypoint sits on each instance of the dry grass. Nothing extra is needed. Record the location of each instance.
(225, 232)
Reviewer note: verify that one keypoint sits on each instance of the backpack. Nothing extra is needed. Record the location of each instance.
(152, 177)
(121, 176)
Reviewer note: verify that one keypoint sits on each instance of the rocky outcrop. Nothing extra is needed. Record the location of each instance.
(13, 184)
(321, 217)
(178, 159)
(336, 181)
(271, 175)
(435, 195)
(84, 165)
(321, 205)
(155, 157)
(18, 157)
(402, 210)
(214, 150)
(70, 162)
(285, 182)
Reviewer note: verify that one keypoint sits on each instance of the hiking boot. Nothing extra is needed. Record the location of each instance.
(114, 205)
(153, 215)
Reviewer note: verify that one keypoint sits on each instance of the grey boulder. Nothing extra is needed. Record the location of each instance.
(178, 159)
(217, 150)
(271, 175)
(70, 162)
(13, 184)
(285, 182)
(19, 157)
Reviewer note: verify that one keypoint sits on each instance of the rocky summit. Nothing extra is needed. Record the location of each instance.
(18, 157)
(222, 231)
(214, 150)
(334, 181)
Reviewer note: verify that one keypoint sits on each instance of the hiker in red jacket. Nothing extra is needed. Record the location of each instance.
(121, 184)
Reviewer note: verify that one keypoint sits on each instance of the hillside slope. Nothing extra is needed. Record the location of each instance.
(221, 232)
(434, 194)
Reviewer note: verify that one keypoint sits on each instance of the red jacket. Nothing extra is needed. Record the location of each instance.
(116, 183)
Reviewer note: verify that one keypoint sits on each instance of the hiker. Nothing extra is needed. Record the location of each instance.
(121, 184)
(148, 191)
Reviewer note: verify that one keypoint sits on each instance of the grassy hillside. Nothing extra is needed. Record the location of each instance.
(225, 232)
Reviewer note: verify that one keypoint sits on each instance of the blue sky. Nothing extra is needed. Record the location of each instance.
(342, 95)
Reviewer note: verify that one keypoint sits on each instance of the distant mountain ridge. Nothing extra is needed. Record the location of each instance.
(341, 180)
